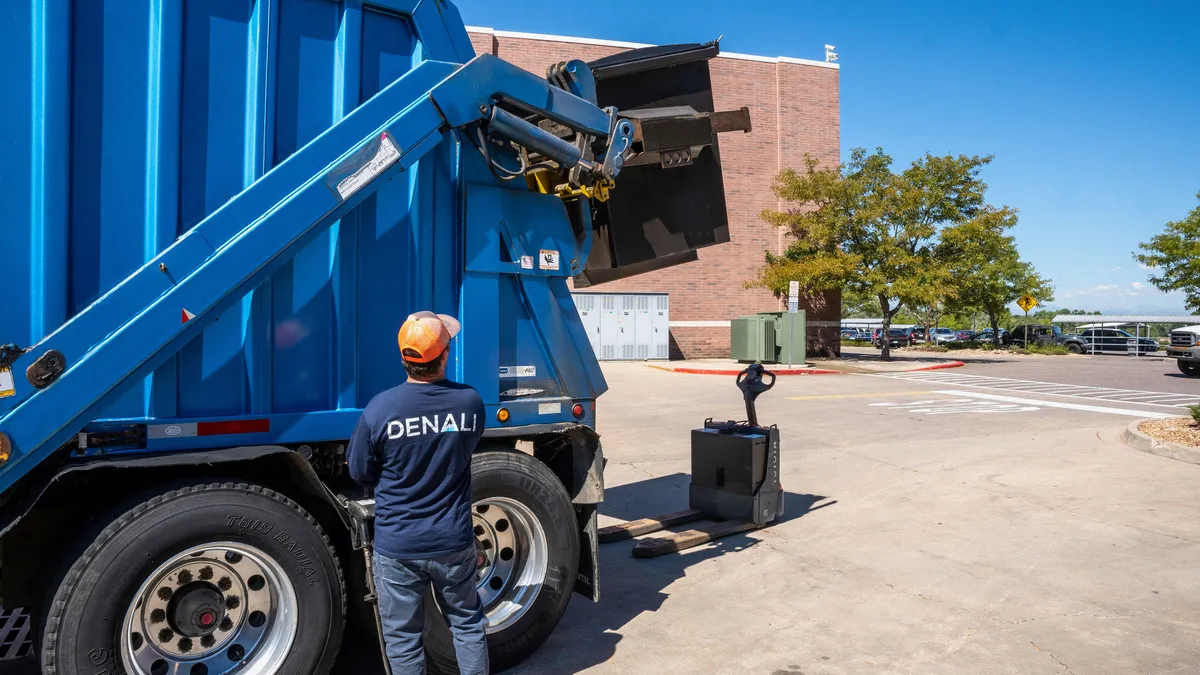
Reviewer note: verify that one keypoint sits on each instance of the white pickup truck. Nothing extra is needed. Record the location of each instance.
(1185, 349)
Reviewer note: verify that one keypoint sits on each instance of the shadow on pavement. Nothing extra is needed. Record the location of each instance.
(589, 633)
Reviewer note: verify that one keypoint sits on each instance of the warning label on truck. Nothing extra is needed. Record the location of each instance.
(6, 383)
(364, 166)
(548, 259)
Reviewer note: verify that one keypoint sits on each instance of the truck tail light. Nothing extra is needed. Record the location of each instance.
(577, 410)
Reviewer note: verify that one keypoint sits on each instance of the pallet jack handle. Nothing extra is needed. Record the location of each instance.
(750, 381)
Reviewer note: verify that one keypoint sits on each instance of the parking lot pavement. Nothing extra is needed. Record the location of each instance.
(1165, 402)
(1149, 372)
(926, 532)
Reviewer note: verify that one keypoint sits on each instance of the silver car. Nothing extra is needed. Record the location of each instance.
(943, 335)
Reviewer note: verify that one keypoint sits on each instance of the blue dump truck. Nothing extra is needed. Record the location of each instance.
(217, 215)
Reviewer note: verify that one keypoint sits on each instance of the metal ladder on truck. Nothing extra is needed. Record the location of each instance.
(72, 375)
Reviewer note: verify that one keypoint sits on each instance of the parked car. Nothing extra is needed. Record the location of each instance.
(1048, 335)
(943, 335)
(897, 337)
(985, 335)
(918, 333)
(966, 335)
(855, 334)
(1185, 348)
(1113, 340)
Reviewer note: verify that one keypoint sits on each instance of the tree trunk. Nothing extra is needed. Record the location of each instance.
(885, 354)
(995, 328)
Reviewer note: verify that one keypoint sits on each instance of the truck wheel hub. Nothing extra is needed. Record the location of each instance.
(213, 609)
(512, 557)
(195, 609)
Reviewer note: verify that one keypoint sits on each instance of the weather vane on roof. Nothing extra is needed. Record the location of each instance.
(830, 55)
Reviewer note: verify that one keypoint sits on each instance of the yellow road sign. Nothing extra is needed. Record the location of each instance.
(1026, 302)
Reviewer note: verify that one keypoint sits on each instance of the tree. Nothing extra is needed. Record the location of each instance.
(1175, 255)
(854, 305)
(929, 315)
(987, 268)
(871, 231)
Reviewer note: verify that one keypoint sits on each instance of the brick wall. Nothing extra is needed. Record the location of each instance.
(794, 108)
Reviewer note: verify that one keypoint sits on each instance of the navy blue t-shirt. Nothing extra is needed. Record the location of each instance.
(413, 444)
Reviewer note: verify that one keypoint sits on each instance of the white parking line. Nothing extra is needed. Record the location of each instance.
(1149, 398)
(1058, 404)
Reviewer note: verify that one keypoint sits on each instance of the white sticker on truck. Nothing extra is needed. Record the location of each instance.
(548, 259)
(518, 371)
(385, 156)
(6, 383)
(550, 408)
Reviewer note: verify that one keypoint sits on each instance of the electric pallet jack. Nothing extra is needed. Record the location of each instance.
(735, 481)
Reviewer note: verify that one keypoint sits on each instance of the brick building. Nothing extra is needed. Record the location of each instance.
(795, 110)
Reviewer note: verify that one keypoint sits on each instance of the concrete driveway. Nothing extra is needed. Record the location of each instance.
(927, 532)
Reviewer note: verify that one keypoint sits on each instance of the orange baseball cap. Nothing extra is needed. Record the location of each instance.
(424, 336)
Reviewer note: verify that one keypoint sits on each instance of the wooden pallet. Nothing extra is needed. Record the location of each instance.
(671, 542)
(636, 528)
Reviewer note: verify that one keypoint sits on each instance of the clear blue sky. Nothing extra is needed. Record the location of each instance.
(1091, 109)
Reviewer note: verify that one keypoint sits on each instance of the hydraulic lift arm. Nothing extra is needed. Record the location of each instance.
(68, 378)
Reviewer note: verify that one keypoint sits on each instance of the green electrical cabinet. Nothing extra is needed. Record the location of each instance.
(789, 329)
(752, 339)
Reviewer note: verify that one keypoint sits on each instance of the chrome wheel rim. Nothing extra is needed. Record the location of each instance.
(512, 558)
(215, 609)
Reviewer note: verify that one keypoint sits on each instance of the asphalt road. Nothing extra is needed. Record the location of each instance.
(1148, 373)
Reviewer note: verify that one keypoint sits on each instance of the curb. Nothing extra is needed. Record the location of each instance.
(806, 371)
(937, 366)
(1138, 440)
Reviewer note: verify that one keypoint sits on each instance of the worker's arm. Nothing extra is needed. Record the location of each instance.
(363, 456)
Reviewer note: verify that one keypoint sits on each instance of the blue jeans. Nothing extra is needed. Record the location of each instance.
(400, 586)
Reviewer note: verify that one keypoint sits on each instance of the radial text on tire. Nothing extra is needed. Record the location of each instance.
(208, 578)
(527, 534)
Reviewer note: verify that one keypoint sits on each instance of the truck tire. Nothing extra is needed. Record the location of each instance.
(198, 580)
(1189, 369)
(1074, 348)
(520, 507)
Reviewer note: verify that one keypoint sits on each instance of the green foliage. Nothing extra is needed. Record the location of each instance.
(856, 304)
(929, 348)
(1034, 348)
(1195, 410)
(872, 231)
(987, 268)
(1175, 254)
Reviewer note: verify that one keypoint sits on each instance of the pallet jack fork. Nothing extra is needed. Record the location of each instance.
(735, 481)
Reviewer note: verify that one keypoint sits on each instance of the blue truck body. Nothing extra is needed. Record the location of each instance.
(220, 212)
(143, 137)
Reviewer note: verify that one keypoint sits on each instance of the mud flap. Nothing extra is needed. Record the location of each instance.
(587, 580)
(669, 200)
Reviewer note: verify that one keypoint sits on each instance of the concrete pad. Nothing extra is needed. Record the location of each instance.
(1018, 541)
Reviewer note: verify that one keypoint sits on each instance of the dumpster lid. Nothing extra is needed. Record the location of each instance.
(650, 58)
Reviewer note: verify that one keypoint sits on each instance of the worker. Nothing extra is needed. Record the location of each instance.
(413, 445)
